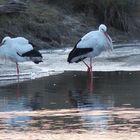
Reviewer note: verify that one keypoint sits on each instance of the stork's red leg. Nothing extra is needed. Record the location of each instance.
(17, 70)
(88, 67)
(91, 64)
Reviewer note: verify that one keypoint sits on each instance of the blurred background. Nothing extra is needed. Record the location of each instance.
(60, 23)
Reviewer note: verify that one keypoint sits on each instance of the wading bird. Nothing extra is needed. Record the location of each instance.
(91, 45)
(19, 49)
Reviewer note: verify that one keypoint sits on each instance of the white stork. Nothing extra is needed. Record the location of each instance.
(91, 45)
(19, 49)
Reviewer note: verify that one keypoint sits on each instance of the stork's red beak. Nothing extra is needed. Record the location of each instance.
(107, 36)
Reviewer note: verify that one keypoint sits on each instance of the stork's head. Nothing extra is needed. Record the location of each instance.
(5, 39)
(102, 28)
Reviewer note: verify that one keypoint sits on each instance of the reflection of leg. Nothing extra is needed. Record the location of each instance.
(17, 71)
(90, 86)
(91, 82)
(18, 90)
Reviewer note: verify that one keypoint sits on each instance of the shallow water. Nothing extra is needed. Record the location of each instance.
(77, 102)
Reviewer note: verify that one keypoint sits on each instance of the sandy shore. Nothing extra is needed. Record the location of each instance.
(126, 130)
(69, 136)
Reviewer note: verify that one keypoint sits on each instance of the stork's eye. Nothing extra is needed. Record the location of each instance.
(103, 30)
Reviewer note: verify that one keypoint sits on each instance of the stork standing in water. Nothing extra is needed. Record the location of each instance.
(91, 45)
(19, 50)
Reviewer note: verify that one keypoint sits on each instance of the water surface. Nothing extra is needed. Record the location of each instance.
(73, 92)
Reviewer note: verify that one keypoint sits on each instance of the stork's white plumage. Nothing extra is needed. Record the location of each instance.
(19, 50)
(91, 45)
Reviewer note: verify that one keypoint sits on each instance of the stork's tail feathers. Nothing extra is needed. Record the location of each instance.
(36, 60)
(78, 54)
(34, 56)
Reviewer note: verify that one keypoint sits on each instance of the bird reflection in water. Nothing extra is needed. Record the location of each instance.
(94, 95)
(89, 101)
(78, 96)
(18, 94)
(35, 102)
(90, 85)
